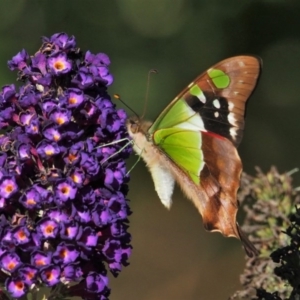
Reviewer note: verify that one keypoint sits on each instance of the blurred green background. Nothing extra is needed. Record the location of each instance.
(173, 257)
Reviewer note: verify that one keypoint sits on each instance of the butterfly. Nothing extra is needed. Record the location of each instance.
(194, 142)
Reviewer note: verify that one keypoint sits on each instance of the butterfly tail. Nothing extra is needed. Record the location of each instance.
(226, 223)
(248, 246)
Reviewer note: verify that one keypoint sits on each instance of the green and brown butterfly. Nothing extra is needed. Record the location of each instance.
(193, 142)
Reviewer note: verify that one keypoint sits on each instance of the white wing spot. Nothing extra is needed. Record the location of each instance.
(233, 132)
(231, 118)
(202, 98)
(216, 114)
(216, 103)
(230, 105)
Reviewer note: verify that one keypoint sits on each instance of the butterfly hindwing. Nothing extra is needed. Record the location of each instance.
(182, 147)
(219, 180)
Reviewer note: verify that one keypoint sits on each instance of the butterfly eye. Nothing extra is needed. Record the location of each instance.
(134, 127)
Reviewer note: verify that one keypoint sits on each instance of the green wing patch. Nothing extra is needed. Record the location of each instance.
(179, 115)
(183, 147)
(220, 79)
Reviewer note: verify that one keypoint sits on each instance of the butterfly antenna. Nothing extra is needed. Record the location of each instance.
(152, 71)
(117, 96)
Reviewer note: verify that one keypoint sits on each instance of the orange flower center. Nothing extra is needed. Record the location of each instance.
(59, 65)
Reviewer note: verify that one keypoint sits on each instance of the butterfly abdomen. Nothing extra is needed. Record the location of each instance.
(161, 175)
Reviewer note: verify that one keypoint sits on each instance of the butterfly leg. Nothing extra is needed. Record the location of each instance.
(129, 142)
(139, 158)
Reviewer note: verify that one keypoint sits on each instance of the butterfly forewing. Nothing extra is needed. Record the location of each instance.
(219, 96)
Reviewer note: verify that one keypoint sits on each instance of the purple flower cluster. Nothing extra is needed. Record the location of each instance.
(63, 206)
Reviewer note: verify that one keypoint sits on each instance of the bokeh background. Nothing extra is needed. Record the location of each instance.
(173, 257)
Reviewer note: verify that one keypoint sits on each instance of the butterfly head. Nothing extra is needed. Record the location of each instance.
(133, 124)
(136, 125)
(138, 131)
